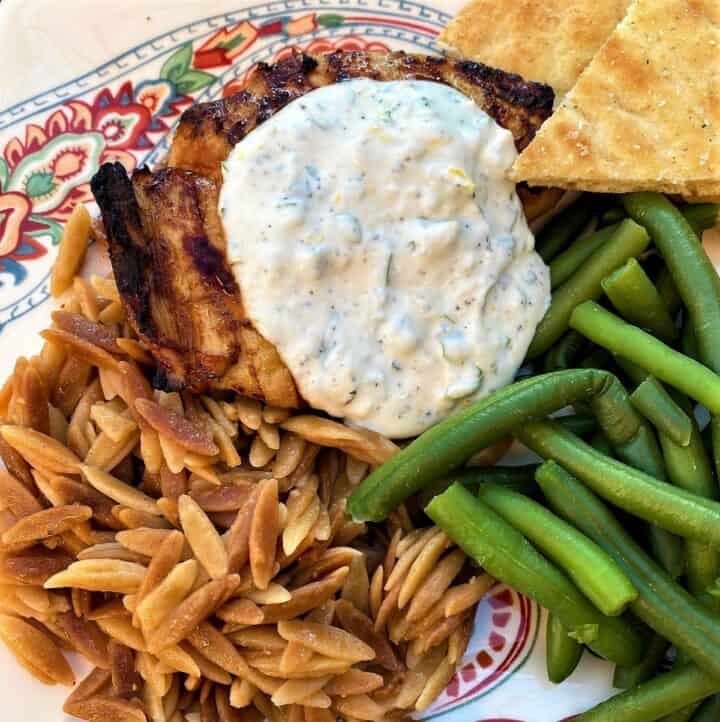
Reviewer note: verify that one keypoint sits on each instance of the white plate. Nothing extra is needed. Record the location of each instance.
(87, 81)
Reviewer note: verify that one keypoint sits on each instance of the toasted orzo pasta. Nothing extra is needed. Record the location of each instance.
(195, 548)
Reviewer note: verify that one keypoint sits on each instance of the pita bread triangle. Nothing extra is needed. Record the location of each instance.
(645, 113)
(550, 41)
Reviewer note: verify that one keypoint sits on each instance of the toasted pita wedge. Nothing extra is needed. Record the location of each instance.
(548, 40)
(645, 114)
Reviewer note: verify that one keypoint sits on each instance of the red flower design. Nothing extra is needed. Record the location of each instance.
(14, 214)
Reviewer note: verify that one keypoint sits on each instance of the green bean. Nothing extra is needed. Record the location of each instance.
(566, 263)
(627, 431)
(689, 468)
(668, 290)
(597, 359)
(683, 715)
(688, 342)
(637, 300)
(636, 374)
(563, 353)
(634, 344)
(686, 713)
(701, 216)
(561, 229)
(595, 573)
(653, 700)
(578, 424)
(562, 652)
(636, 445)
(449, 444)
(518, 478)
(693, 273)
(662, 603)
(626, 677)
(667, 549)
(652, 400)
(709, 711)
(691, 269)
(628, 241)
(615, 214)
(506, 555)
(634, 491)
(601, 443)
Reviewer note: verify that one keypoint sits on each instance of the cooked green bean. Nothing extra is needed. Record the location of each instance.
(628, 241)
(634, 443)
(693, 273)
(701, 216)
(595, 573)
(668, 290)
(506, 555)
(578, 424)
(652, 400)
(689, 467)
(662, 603)
(561, 229)
(683, 715)
(636, 374)
(615, 214)
(691, 269)
(566, 263)
(709, 711)
(562, 652)
(653, 700)
(565, 351)
(626, 677)
(601, 443)
(449, 444)
(627, 431)
(637, 300)
(599, 358)
(634, 344)
(667, 506)
(518, 478)
(688, 342)
(668, 549)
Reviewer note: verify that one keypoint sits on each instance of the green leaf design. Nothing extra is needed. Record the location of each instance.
(330, 21)
(4, 173)
(193, 80)
(178, 64)
(54, 228)
(40, 184)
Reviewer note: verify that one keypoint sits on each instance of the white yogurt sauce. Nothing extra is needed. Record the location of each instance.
(380, 248)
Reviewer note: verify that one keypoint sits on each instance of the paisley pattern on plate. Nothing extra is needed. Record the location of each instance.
(125, 110)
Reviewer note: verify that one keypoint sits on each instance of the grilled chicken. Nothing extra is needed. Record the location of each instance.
(167, 249)
(166, 239)
(208, 131)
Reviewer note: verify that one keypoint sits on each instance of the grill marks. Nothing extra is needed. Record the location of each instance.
(171, 273)
(208, 131)
(167, 249)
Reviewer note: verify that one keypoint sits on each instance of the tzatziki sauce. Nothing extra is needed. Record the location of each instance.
(380, 247)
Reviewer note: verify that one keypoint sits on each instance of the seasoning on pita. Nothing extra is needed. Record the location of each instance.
(645, 114)
(551, 41)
